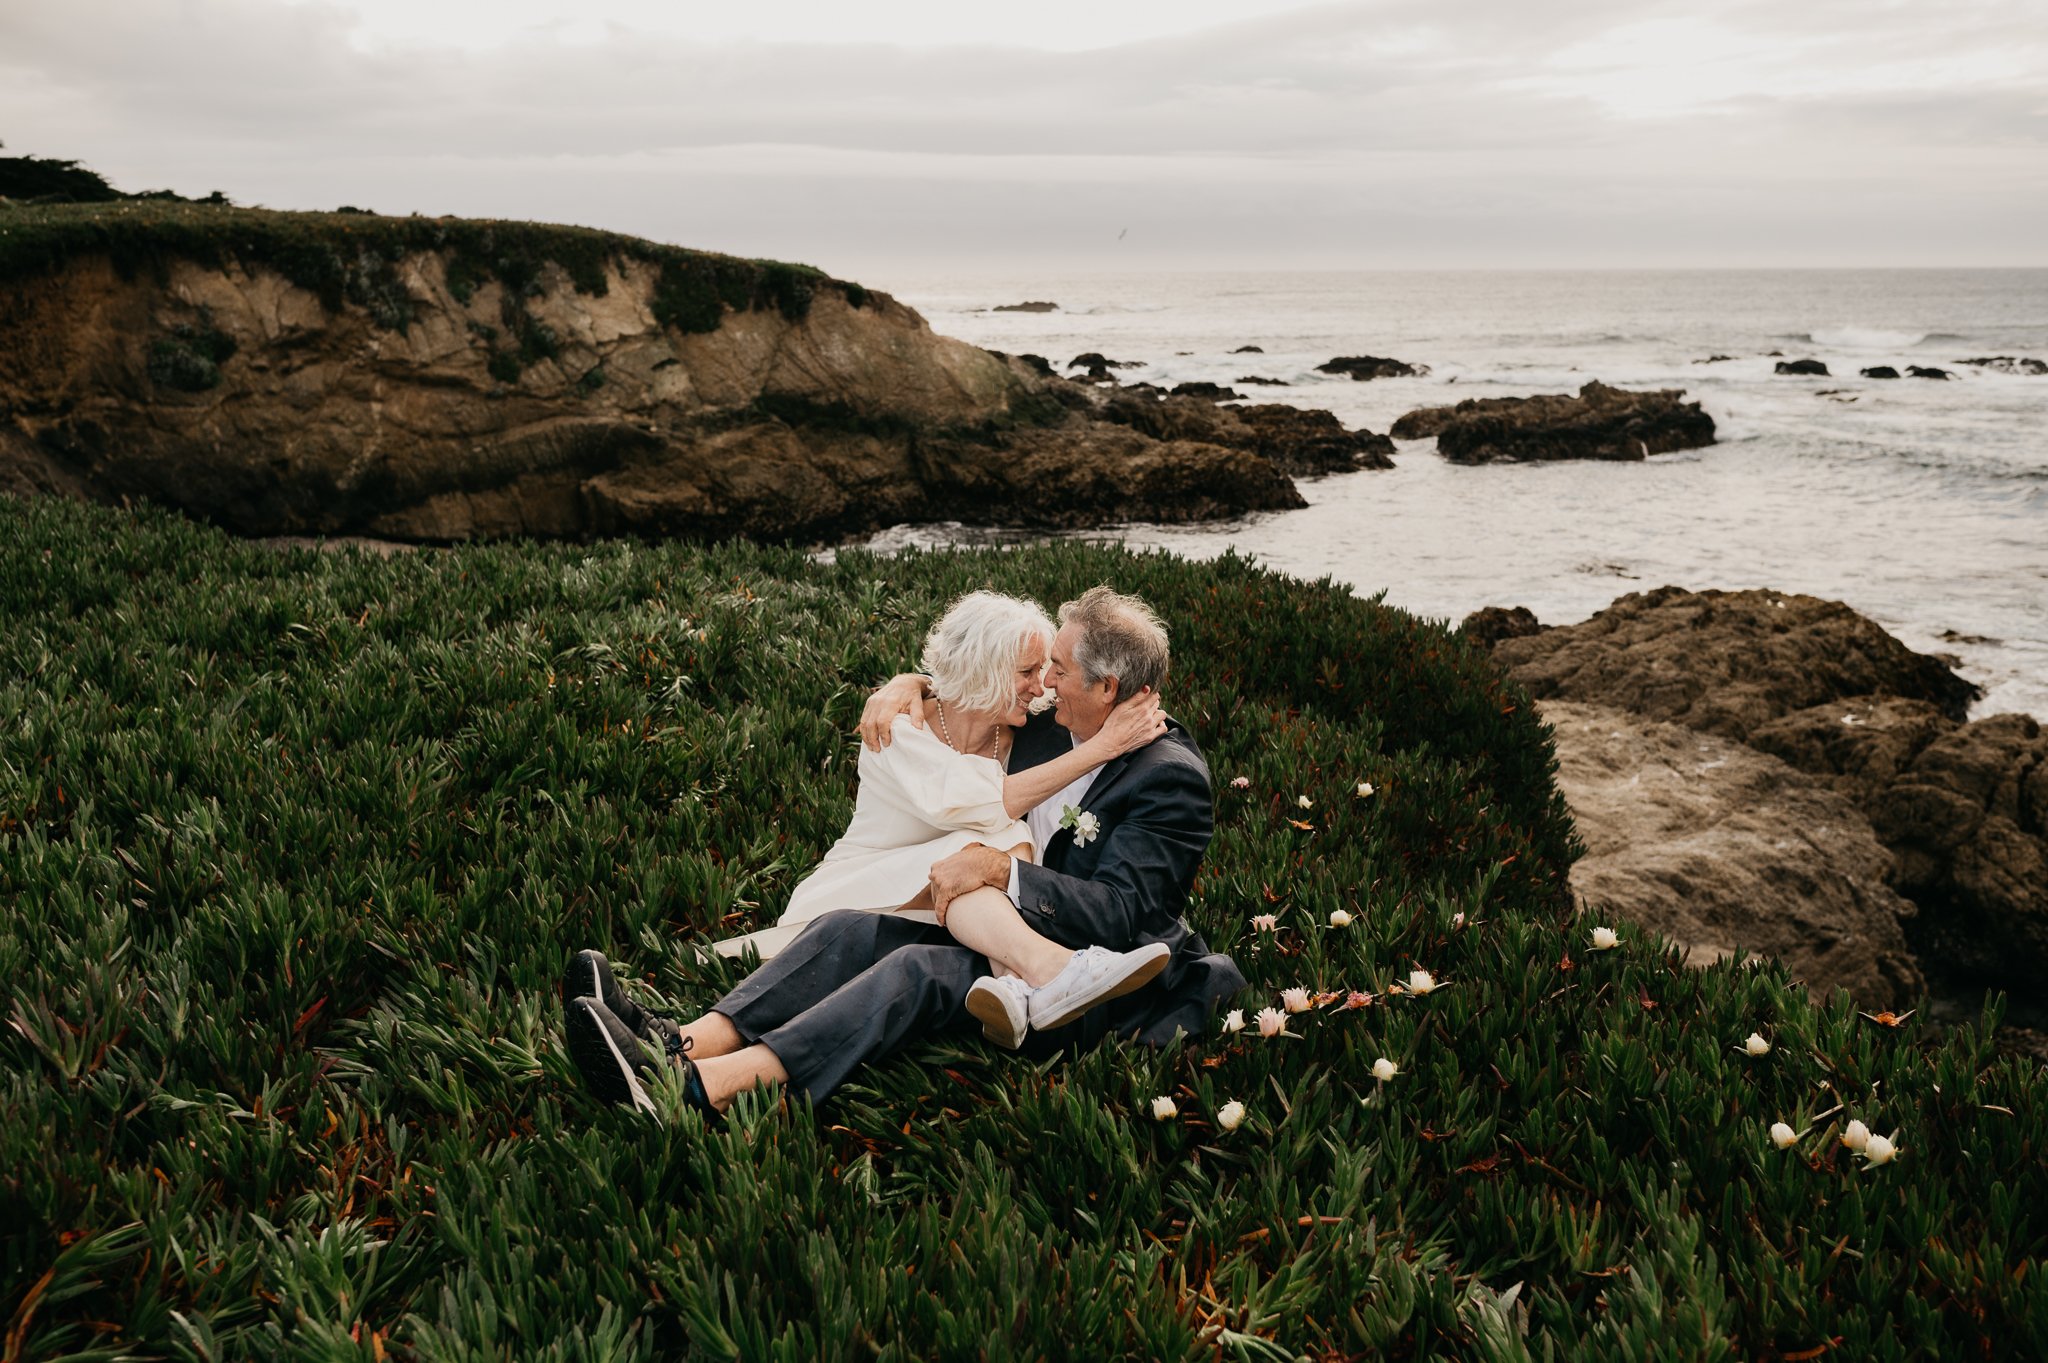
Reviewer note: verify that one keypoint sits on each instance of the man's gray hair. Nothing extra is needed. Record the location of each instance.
(971, 654)
(1121, 637)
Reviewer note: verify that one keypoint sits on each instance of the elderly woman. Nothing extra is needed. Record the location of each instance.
(937, 788)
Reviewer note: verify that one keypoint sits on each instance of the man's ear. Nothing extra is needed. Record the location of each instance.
(1115, 687)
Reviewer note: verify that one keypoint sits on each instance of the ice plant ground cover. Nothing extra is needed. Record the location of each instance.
(292, 847)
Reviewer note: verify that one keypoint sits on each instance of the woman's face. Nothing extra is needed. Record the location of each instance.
(1029, 677)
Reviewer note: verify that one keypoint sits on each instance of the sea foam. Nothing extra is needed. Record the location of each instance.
(1865, 338)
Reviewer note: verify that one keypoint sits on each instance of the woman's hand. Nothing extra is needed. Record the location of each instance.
(900, 695)
(1131, 725)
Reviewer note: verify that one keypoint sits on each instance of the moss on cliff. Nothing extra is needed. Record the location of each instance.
(353, 257)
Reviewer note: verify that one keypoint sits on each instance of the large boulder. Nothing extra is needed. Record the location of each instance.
(1727, 663)
(1813, 367)
(1599, 423)
(1489, 625)
(437, 379)
(1730, 852)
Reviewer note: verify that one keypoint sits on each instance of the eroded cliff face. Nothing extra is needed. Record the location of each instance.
(446, 407)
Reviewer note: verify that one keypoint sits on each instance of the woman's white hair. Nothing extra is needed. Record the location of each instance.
(971, 654)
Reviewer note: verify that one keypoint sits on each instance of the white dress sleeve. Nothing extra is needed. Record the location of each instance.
(922, 776)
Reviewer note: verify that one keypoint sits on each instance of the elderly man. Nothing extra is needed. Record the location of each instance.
(1120, 847)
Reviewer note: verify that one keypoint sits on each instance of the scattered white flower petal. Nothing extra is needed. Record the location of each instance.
(1272, 1022)
(1240, 783)
(1605, 939)
(1756, 1045)
(1856, 1135)
(1294, 1000)
(1163, 1110)
(1420, 981)
(1340, 918)
(1782, 1135)
(1230, 1115)
(1384, 1069)
(1304, 802)
(1879, 1150)
(1234, 1022)
(1365, 790)
(1265, 922)
(1458, 919)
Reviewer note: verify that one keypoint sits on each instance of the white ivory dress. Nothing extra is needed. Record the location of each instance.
(918, 801)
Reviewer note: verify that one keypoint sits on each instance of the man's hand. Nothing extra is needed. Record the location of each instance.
(902, 694)
(967, 870)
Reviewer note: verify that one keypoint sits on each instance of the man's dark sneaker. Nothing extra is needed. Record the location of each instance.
(589, 974)
(617, 1069)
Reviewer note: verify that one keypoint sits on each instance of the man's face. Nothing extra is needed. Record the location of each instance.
(1082, 707)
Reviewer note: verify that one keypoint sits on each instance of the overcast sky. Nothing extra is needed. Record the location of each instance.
(1110, 134)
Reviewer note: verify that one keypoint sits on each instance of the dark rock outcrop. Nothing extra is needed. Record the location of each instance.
(2009, 364)
(1095, 359)
(1364, 367)
(1035, 305)
(1961, 806)
(1599, 423)
(1213, 392)
(1802, 367)
(1926, 371)
(438, 394)
(1714, 359)
(1880, 371)
(1727, 663)
(1257, 381)
(1298, 442)
(1249, 350)
(1489, 625)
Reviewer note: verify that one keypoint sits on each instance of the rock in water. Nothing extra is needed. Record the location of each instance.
(1926, 371)
(1033, 306)
(1297, 442)
(1880, 371)
(1729, 851)
(1727, 663)
(1600, 423)
(1214, 392)
(436, 379)
(1802, 367)
(2008, 364)
(1363, 367)
(1489, 625)
(1249, 350)
(1262, 382)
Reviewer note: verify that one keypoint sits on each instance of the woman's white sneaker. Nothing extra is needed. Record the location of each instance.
(1002, 1004)
(1095, 975)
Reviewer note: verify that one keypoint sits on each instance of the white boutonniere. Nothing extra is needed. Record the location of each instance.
(1085, 826)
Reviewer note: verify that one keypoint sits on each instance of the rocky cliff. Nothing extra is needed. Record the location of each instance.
(441, 379)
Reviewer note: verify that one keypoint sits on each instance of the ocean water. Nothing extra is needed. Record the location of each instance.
(1922, 504)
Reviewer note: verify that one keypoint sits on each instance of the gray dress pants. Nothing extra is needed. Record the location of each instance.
(851, 989)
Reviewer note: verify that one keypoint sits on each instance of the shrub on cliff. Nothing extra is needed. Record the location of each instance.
(294, 844)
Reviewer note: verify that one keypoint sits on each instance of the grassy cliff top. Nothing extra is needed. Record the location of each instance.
(293, 846)
(343, 256)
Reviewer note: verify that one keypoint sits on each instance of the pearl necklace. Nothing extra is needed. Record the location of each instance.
(995, 739)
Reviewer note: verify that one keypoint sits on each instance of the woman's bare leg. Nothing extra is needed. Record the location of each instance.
(986, 921)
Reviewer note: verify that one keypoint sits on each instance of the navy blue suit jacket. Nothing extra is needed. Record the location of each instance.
(1129, 884)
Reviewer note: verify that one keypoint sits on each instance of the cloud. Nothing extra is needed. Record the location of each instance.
(1368, 134)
